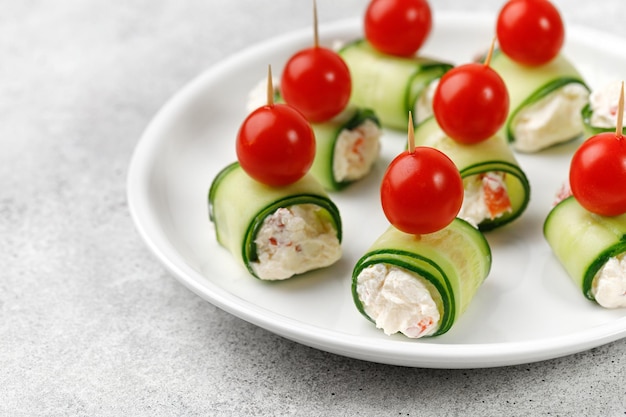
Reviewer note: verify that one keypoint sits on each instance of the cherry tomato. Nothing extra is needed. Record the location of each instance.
(276, 145)
(530, 32)
(471, 103)
(421, 192)
(598, 174)
(397, 27)
(317, 82)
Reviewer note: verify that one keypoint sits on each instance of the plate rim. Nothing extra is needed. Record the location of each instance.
(396, 352)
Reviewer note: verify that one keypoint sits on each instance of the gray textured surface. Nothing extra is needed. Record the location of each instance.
(91, 324)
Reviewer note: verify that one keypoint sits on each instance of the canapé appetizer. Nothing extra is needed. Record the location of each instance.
(420, 275)
(268, 210)
(546, 90)
(587, 230)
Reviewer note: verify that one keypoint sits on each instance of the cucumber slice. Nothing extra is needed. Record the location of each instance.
(389, 85)
(326, 137)
(455, 261)
(582, 241)
(491, 155)
(527, 86)
(238, 205)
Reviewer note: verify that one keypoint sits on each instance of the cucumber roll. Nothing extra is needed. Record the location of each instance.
(545, 101)
(497, 190)
(275, 232)
(390, 85)
(592, 249)
(347, 148)
(599, 115)
(419, 285)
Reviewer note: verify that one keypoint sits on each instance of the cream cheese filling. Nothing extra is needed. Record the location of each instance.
(356, 150)
(398, 301)
(553, 119)
(423, 108)
(604, 105)
(609, 284)
(295, 240)
(475, 208)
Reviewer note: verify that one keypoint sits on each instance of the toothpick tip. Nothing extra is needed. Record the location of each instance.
(316, 40)
(490, 53)
(270, 86)
(619, 123)
(411, 134)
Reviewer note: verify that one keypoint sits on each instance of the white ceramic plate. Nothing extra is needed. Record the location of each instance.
(527, 310)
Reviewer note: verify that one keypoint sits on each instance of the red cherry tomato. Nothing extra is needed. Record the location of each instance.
(276, 145)
(397, 27)
(598, 174)
(317, 82)
(421, 192)
(471, 103)
(530, 32)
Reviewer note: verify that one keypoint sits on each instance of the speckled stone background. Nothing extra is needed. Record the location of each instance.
(90, 322)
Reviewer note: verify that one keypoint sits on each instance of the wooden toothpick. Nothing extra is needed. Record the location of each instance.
(619, 124)
(411, 135)
(270, 87)
(490, 53)
(316, 41)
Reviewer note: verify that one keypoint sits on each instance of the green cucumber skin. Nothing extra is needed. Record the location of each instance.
(326, 135)
(436, 260)
(494, 154)
(238, 205)
(582, 241)
(527, 85)
(387, 84)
